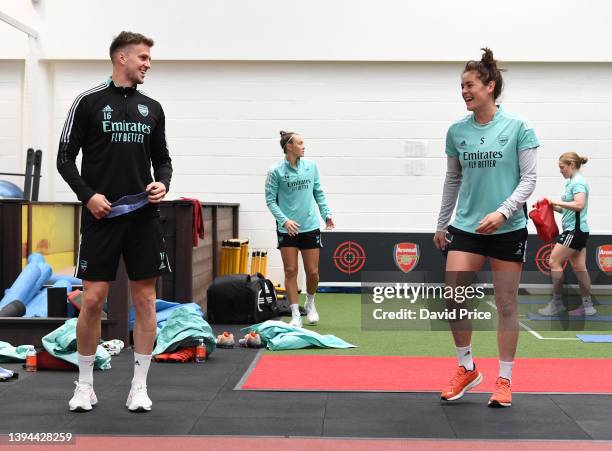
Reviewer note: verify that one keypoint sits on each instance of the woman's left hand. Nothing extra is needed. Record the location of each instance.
(491, 223)
(329, 223)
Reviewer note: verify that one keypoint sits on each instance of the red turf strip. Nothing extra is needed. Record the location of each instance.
(423, 374)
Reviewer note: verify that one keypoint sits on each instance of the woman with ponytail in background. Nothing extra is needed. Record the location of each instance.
(571, 244)
(293, 193)
(491, 170)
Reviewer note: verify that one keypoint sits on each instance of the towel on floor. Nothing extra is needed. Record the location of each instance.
(10, 353)
(61, 343)
(183, 329)
(280, 336)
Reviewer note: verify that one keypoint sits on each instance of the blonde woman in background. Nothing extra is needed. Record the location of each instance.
(571, 245)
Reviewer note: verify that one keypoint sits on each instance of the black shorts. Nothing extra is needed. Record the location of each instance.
(139, 240)
(304, 240)
(510, 246)
(574, 239)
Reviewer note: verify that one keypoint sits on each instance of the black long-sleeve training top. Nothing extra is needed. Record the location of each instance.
(122, 133)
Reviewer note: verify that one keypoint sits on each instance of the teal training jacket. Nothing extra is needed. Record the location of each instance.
(294, 193)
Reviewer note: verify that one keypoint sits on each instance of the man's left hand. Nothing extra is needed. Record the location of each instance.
(157, 191)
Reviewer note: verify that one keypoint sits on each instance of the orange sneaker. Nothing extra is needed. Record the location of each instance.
(502, 396)
(460, 383)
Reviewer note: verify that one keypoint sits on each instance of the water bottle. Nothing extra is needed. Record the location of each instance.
(30, 362)
(200, 351)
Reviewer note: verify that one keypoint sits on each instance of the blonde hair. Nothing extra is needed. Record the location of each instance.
(573, 157)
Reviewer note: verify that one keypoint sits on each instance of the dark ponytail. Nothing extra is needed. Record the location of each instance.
(487, 71)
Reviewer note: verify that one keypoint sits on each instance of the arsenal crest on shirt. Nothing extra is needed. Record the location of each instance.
(406, 256)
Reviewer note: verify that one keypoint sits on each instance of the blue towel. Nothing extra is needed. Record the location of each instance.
(127, 204)
(587, 338)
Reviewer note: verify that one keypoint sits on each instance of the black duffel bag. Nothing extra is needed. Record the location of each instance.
(241, 299)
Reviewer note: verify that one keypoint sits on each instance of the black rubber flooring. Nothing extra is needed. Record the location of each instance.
(199, 399)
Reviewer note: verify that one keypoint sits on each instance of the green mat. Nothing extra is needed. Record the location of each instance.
(341, 316)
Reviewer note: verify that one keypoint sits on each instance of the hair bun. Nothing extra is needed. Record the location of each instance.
(283, 133)
(487, 56)
(583, 160)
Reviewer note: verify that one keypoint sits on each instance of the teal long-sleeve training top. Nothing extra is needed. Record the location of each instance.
(293, 192)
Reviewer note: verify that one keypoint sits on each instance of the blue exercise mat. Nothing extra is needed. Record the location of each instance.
(545, 301)
(587, 338)
(598, 318)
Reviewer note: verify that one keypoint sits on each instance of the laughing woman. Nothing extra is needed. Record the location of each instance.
(491, 168)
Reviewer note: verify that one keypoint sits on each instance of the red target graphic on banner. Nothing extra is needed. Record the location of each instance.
(543, 257)
(349, 257)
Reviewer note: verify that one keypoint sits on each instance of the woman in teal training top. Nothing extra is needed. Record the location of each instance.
(293, 193)
(491, 170)
(571, 245)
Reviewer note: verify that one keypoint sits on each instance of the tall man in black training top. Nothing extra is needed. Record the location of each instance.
(122, 134)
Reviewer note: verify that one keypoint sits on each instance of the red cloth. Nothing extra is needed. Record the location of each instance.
(198, 220)
(543, 216)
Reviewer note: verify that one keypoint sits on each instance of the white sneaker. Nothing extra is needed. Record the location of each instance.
(138, 400)
(83, 399)
(584, 310)
(311, 312)
(553, 308)
(296, 321)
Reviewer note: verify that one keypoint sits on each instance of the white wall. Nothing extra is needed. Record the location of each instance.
(360, 122)
(12, 159)
(315, 30)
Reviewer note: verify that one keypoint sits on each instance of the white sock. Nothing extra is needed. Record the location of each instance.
(465, 357)
(310, 298)
(86, 367)
(141, 368)
(505, 369)
(586, 301)
(295, 309)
